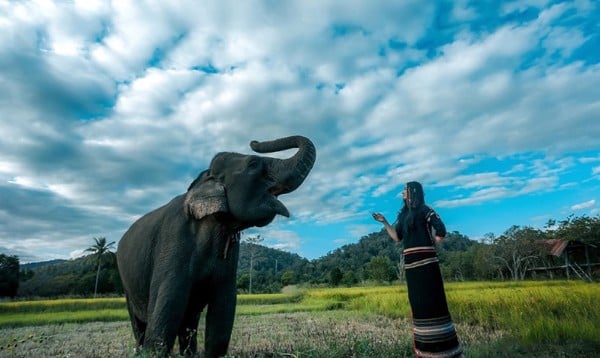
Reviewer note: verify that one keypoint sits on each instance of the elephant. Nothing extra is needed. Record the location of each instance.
(181, 258)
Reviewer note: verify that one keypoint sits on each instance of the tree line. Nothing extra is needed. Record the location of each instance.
(515, 255)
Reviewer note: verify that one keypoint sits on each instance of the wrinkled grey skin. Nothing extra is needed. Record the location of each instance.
(182, 257)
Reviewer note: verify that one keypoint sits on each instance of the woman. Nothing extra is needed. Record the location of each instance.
(420, 228)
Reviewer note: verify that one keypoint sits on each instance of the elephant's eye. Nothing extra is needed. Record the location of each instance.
(253, 164)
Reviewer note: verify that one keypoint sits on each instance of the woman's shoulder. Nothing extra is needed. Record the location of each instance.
(426, 212)
(425, 209)
(430, 213)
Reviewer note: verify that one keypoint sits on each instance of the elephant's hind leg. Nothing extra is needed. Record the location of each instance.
(138, 326)
(139, 331)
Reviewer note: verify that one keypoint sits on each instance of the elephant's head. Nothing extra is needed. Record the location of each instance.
(247, 186)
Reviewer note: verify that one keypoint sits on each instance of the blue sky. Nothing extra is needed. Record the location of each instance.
(108, 110)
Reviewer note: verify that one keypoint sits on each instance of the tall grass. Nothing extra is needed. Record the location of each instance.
(530, 312)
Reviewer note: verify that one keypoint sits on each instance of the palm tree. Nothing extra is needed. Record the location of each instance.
(99, 249)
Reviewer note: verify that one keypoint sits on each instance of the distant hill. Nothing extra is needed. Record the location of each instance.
(69, 277)
(357, 258)
(272, 269)
(353, 256)
(35, 265)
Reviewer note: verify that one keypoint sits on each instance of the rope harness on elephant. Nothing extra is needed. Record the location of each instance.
(234, 238)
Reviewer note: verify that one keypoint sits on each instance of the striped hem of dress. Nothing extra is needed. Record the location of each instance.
(433, 333)
(454, 352)
(437, 333)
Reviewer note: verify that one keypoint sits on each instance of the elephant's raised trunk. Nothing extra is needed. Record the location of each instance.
(288, 173)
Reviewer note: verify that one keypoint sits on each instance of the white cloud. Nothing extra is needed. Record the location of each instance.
(77, 253)
(111, 110)
(585, 205)
(279, 239)
(541, 184)
(477, 180)
(477, 197)
(587, 159)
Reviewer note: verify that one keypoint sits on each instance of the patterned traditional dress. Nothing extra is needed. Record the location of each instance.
(433, 330)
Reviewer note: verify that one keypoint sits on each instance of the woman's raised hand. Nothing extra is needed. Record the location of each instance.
(379, 217)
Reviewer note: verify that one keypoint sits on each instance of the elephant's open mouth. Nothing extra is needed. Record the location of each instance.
(277, 205)
(276, 190)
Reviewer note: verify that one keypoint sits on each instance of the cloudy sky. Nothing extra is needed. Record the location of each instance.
(110, 109)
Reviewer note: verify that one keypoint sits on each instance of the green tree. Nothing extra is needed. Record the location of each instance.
(517, 251)
(288, 277)
(455, 241)
(25, 275)
(99, 250)
(242, 282)
(585, 229)
(381, 269)
(335, 276)
(268, 265)
(485, 266)
(9, 275)
(349, 278)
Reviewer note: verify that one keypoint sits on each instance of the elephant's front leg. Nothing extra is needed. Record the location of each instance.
(188, 333)
(167, 311)
(219, 321)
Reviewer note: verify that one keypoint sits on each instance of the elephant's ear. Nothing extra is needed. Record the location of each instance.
(205, 196)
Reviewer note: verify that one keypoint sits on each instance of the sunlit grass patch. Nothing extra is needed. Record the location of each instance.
(42, 318)
(269, 299)
(391, 304)
(59, 305)
(78, 310)
(541, 312)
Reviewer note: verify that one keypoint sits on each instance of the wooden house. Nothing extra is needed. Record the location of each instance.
(574, 258)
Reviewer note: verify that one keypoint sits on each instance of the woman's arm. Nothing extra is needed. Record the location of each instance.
(438, 226)
(390, 230)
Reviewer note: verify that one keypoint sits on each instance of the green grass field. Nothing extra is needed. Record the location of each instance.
(493, 319)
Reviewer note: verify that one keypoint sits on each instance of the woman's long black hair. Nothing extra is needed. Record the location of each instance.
(413, 204)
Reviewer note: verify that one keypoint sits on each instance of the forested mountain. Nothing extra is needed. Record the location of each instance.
(349, 263)
(260, 269)
(269, 269)
(272, 269)
(374, 258)
(69, 277)
(35, 265)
